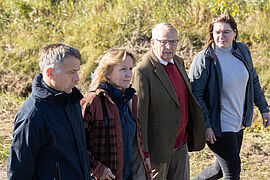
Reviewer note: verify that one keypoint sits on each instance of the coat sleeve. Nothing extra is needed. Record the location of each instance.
(24, 148)
(96, 167)
(259, 98)
(198, 74)
(141, 84)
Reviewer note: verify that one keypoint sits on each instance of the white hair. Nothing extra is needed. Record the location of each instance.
(162, 25)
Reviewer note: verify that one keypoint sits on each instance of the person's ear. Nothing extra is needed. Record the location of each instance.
(152, 42)
(49, 73)
(235, 34)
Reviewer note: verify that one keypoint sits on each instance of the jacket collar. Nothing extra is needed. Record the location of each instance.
(117, 95)
(163, 77)
(53, 98)
(209, 51)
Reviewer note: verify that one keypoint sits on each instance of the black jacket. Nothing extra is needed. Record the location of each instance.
(49, 129)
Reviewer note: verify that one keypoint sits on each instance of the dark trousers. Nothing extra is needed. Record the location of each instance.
(228, 163)
(177, 168)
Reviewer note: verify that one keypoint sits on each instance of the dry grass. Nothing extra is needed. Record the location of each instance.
(9, 106)
(255, 156)
(255, 150)
(95, 26)
(255, 153)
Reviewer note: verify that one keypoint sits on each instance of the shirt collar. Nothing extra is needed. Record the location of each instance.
(162, 61)
(50, 89)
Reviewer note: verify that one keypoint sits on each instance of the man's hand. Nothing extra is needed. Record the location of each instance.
(210, 136)
(266, 119)
(107, 174)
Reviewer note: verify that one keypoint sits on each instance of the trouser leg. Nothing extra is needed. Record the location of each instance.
(179, 164)
(159, 170)
(210, 173)
(226, 150)
(177, 168)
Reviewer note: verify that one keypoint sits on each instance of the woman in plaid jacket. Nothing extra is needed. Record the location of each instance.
(115, 153)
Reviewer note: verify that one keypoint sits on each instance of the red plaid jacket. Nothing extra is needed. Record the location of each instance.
(95, 134)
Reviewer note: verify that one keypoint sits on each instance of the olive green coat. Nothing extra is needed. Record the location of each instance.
(159, 110)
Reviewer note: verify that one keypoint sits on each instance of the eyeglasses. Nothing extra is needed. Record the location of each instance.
(171, 42)
(225, 33)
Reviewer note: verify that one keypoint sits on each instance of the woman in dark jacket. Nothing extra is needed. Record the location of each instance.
(115, 150)
(226, 85)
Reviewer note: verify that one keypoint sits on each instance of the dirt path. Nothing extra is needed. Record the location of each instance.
(3, 173)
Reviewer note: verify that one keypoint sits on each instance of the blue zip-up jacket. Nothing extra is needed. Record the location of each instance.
(206, 82)
(127, 122)
(48, 129)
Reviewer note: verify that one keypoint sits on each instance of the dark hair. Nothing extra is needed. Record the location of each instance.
(223, 18)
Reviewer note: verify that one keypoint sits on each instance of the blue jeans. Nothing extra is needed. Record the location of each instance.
(228, 163)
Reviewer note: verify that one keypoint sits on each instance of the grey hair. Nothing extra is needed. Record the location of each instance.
(53, 55)
(160, 25)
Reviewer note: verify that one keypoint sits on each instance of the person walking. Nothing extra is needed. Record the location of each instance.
(226, 85)
(171, 118)
(48, 136)
(113, 133)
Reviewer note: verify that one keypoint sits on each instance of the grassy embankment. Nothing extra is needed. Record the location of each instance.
(95, 26)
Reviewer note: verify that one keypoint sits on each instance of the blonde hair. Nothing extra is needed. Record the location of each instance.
(106, 65)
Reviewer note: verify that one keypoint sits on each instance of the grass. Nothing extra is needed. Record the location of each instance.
(96, 26)
(9, 106)
(254, 154)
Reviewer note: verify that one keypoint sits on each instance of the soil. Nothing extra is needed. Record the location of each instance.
(19, 85)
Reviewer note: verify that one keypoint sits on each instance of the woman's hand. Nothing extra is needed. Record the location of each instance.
(210, 136)
(266, 119)
(107, 174)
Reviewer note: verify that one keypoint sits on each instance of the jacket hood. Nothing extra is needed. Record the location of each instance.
(59, 98)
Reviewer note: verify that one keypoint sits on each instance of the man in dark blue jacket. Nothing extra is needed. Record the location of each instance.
(48, 129)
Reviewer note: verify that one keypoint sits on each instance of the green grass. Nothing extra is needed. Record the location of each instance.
(95, 26)
(9, 105)
(4, 150)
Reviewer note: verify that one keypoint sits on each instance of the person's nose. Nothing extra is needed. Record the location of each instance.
(76, 78)
(222, 35)
(168, 45)
(129, 73)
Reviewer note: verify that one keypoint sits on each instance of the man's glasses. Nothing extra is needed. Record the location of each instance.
(171, 42)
